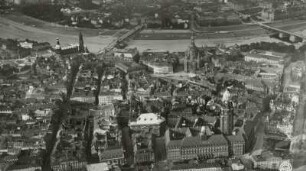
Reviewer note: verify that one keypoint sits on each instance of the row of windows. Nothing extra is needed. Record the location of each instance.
(203, 150)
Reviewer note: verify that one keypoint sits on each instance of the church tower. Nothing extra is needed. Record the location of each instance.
(192, 58)
(81, 43)
(227, 119)
(57, 47)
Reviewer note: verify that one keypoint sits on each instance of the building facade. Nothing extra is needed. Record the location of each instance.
(236, 145)
(197, 167)
(196, 147)
(112, 157)
(146, 128)
(126, 54)
(266, 57)
(227, 120)
(160, 68)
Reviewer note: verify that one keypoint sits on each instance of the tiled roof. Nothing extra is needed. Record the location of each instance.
(197, 141)
(111, 154)
(235, 138)
(174, 144)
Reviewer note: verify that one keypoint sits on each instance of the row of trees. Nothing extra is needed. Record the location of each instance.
(13, 50)
(270, 46)
(47, 12)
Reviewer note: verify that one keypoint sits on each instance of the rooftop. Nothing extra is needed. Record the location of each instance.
(97, 166)
(148, 119)
(198, 141)
(129, 66)
(111, 154)
(235, 138)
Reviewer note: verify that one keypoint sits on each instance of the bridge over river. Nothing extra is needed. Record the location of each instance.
(122, 38)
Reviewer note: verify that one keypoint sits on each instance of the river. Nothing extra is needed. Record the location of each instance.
(182, 45)
(13, 27)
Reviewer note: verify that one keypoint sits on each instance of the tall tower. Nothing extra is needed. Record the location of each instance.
(81, 43)
(227, 119)
(191, 60)
(192, 48)
(58, 47)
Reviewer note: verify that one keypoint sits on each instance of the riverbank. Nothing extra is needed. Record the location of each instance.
(182, 45)
(16, 26)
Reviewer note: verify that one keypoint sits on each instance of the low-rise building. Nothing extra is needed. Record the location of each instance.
(144, 155)
(27, 45)
(292, 77)
(109, 97)
(190, 148)
(151, 122)
(236, 145)
(35, 93)
(70, 165)
(106, 111)
(266, 57)
(159, 68)
(97, 166)
(254, 84)
(126, 54)
(112, 157)
(268, 14)
(129, 67)
(146, 128)
(268, 161)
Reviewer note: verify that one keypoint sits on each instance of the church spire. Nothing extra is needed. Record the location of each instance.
(81, 43)
(192, 39)
(58, 45)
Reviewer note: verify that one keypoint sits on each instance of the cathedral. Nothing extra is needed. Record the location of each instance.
(196, 57)
(72, 49)
(192, 57)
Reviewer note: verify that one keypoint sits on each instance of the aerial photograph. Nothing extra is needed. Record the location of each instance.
(152, 85)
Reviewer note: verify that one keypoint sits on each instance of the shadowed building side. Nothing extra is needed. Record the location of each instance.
(299, 128)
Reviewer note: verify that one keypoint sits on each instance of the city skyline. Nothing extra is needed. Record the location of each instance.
(176, 85)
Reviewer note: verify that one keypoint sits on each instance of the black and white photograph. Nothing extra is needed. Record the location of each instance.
(152, 85)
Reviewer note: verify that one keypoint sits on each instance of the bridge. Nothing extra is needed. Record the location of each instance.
(122, 38)
(293, 37)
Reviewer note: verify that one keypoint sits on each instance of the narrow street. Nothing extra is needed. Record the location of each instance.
(259, 131)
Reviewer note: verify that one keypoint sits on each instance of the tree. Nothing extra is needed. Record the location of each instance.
(136, 58)
(31, 113)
